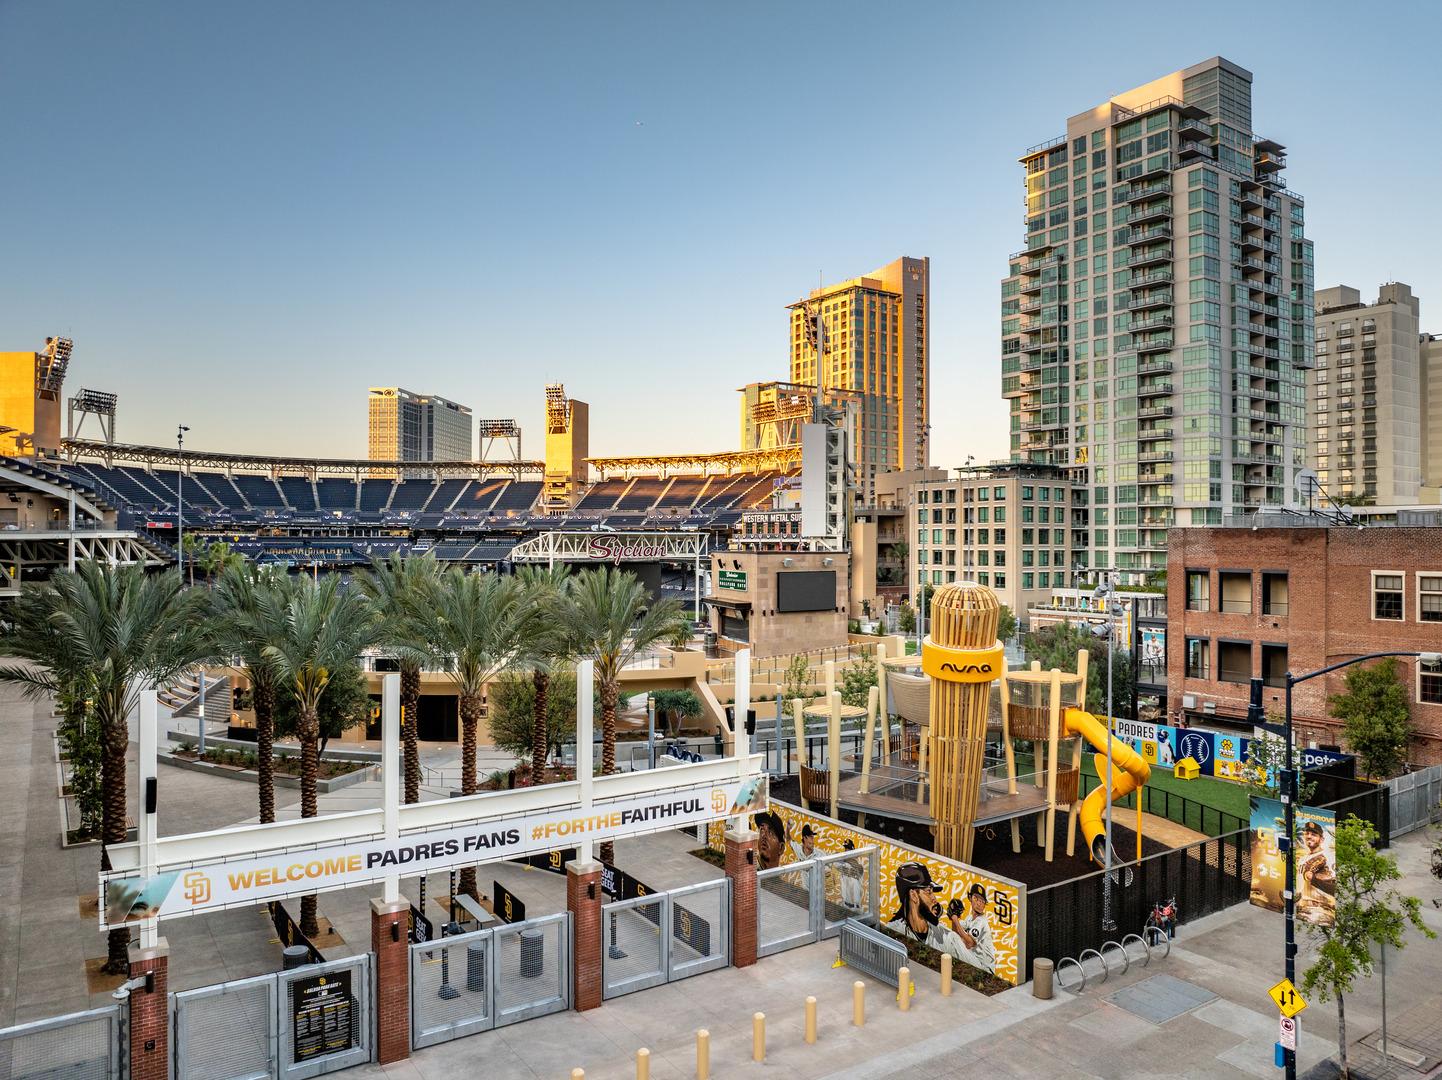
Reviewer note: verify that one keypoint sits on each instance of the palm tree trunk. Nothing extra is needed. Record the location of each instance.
(262, 697)
(410, 740)
(116, 736)
(1342, 1035)
(470, 721)
(610, 692)
(309, 731)
(540, 737)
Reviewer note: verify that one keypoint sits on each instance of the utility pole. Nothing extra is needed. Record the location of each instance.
(180, 431)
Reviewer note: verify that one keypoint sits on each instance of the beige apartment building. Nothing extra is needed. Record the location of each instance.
(406, 426)
(871, 336)
(1365, 402)
(1429, 365)
(1006, 525)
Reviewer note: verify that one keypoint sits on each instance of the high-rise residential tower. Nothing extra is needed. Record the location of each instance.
(1364, 398)
(1429, 363)
(872, 335)
(406, 426)
(1157, 326)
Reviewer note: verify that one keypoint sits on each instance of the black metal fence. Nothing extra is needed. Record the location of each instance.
(1196, 816)
(1205, 877)
(1370, 802)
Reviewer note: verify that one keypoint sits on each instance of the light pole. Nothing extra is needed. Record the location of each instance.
(1288, 788)
(180, 431)
(1104, 591)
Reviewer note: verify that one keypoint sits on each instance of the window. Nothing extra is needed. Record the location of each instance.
(1274, 664)
(1429, 598)
(1236, 589)
(1199, 658)
(1199, 590)
(1234, 661)
(1387, 594)
(1274, 594)
(1429, 686)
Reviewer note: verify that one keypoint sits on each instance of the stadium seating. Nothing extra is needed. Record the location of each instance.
(298, 492)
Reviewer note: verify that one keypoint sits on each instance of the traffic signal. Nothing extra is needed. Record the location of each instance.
(1255, 713)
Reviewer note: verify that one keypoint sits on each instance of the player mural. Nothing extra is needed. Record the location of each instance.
(1316, 859)
(956, 908)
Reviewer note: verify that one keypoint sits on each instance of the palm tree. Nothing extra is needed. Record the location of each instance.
(250, 605)
(113, 630)
(605, 611)
(546, 649)
(322, 628)
(397, 589)
(475, 626)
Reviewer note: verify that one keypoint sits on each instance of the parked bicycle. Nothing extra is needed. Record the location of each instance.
(1163, 917)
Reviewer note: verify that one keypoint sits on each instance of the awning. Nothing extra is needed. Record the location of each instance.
(721, 601)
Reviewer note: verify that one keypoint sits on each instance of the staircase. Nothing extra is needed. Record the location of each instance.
(182, 698)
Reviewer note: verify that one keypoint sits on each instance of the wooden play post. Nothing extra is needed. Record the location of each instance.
(885, 712)
(798, 711)
(1054, 725)
(963, 658)
(829, 676)
(871, 705)
(833, 747)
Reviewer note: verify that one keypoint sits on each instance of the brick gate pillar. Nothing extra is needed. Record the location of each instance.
(741, 869)
(150, 1013)
(583, 901)
(390, 941)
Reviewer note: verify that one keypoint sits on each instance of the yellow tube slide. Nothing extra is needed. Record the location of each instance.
(1129, 771)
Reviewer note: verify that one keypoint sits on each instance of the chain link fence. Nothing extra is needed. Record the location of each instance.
(229, 1030)
(79, 1046)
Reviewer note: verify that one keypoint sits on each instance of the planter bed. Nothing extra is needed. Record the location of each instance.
(324, 785)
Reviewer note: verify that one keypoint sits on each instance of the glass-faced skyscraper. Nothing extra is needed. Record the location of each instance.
(1157, 326)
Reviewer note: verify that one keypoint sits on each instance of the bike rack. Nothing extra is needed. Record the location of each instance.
(1150, 936)
(1080, 970)
(1126, 960)
(1150, 939)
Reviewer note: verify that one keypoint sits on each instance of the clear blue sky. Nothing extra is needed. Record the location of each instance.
(247, 213)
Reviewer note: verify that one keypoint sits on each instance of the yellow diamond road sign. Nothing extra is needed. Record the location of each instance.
(1288, 1000)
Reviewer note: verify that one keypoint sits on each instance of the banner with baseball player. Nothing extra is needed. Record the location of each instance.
(1315, 853)
(955, 908)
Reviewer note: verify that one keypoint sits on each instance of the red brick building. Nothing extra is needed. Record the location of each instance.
(1244, 603)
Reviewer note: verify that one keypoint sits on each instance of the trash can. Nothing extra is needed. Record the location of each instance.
(533, 952)
(1041, 973)
(476, 967)
(294, 956)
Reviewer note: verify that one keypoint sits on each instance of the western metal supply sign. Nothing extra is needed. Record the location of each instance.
(130, 896)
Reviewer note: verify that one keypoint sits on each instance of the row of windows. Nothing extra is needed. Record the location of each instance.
(1389, 596)
(1235, 594)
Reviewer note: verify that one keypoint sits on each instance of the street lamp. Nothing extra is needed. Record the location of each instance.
(1105, 592)
(1288, 789)
(180, 431)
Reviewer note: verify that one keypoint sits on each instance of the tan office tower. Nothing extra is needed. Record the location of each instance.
(1364, 397)
(1157, 326)
(406, 426)
(1429, 364)
(872, 335)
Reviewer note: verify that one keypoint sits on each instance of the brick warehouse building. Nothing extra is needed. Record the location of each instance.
(1245, 602)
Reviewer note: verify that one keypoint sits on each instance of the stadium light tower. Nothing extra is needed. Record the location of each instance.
(180, 431)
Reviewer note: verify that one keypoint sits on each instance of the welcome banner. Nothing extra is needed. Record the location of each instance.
(130, 896)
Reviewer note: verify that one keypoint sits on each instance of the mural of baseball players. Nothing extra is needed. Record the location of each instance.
(966, 933)
(772, 848)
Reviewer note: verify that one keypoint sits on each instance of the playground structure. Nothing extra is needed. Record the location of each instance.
(944, 779)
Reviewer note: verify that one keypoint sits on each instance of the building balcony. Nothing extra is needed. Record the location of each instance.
(1250, 242)
(1270, 163)
(1036, 347)
(1037, 244)
(1040, 323)
(1192, 150)
(1161, 168)
(1157, 299)
(1252, 196)
(1155, 322)
(1154, 412)
(1194, 129)
(1036, 266)
(1158, 389)
(1151, 277)
(1161, 210)
(1162, 366)
(1032, 305)
(1159, 343)
(1156, 455)
(1032, 286)
(1255, 221)
(1152, 256)
(1146, 236)
(1138, 192)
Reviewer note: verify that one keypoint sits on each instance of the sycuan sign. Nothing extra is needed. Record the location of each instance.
(617, 548)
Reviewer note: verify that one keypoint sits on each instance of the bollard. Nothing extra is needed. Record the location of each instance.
(811, 1021)
(703, 1054)
(643, 1064)
(1041, 975)
(858, 1003)
(903, 988)
(946, 974)
(578, 1074)
(758, 1037)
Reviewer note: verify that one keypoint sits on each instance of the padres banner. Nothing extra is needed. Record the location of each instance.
(210, 886)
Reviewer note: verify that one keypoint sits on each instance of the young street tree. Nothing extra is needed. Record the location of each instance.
(1369, 912)
(1375, 722)
(107, 632)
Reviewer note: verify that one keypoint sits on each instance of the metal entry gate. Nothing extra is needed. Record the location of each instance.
(801, 903)
(473, 982)
(290, 1025)
(80, 1046)
(662, 937)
